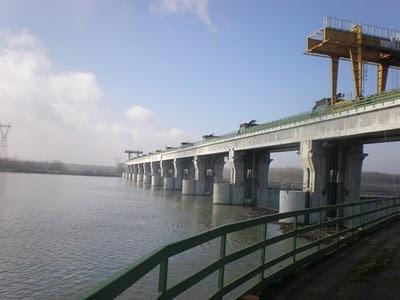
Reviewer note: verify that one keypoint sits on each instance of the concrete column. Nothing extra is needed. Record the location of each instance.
(169, 183)
(178, 172)
(146, 174)
(190, 185)
(218, 169)
(313, 155)
(131, 171)
(199, 174)
(139, 178)
(134, 173)
(236, 163)
(167, 173)
(155, 173)
(263, 162)
(352, 173)
(222, 193)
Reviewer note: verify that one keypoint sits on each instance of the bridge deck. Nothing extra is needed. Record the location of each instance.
(287, 133)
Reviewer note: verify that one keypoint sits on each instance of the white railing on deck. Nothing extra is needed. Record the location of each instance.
(371, 30)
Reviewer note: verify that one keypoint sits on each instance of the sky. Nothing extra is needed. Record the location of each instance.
(83, 80)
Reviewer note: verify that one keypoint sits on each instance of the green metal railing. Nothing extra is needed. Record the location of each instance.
(329, 227)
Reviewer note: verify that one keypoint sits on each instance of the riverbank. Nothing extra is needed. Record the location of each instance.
(62, 173)
(57, 168)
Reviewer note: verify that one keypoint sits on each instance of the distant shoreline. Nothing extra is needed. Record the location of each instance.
(61, 173)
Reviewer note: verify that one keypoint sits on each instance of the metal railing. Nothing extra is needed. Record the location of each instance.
(329, 227)
(371, 30)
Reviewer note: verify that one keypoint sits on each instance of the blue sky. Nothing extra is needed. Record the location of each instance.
(193, 66)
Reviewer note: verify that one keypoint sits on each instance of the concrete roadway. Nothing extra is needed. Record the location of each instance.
(366, 269)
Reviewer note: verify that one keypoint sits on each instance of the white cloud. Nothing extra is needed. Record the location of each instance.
(197, 7)
(58, 115)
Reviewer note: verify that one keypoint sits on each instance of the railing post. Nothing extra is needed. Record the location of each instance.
(262, 258)
(295, 239)
(319, 230)
(352, 218)
(379, 212)
(337, 225)
(221, 274)
(163, 278)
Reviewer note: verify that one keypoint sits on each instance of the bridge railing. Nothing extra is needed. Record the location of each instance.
(327, 228)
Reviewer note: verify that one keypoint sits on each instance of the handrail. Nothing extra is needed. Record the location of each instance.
(383, 210)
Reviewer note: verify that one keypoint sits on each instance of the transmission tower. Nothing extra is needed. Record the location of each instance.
(4, 129)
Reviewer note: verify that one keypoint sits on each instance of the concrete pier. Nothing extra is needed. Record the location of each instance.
(178, 172)
(188, 186)
(156, 180)
(147, 179)
(169, 183)
(139, 178)
(222, 193)
(199, 175)
(290, 201)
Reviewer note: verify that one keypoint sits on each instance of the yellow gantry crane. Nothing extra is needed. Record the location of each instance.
(359, 43)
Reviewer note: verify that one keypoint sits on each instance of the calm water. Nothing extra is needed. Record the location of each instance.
(60, 235)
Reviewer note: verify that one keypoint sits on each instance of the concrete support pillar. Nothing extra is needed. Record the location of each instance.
(199, 164)
(236, 164)
(188, 186)
(332, 172)
(352, 179)
(218, 169)
(146, 174)
(352, 174)
(313, 155)
(167, 174)
(263, 162)
(222, 193)
(194, 181)
(169, 183)
(134, 172)
(178, 172)
(155, 169)
(232, 192)
(139, 178)
(128, 172)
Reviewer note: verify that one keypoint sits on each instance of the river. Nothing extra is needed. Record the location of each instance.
(60, 234)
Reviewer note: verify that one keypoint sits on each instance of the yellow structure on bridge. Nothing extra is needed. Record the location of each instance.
(341, 39)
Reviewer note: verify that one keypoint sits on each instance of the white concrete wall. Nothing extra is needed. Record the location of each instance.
(290, 201)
